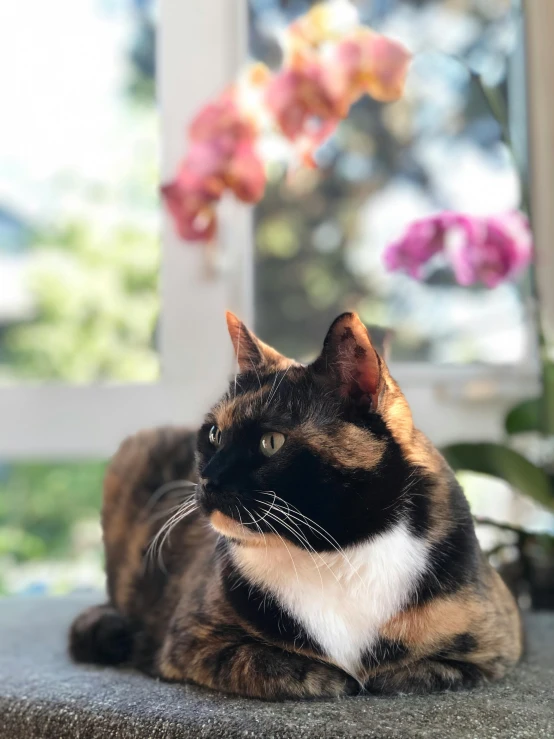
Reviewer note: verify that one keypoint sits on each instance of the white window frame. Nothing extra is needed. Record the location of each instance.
(201, 45)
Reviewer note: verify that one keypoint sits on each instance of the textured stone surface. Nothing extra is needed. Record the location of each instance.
(43, 695)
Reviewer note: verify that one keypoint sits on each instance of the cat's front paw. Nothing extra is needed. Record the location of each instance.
(319, 680)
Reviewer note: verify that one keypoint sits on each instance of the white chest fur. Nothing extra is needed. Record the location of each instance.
(341, 600)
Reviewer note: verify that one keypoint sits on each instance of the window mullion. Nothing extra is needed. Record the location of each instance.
(195, 48)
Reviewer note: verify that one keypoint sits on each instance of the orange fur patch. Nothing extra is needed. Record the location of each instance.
(233, 530)
(434, 622)
(350, 446)
(235, 410)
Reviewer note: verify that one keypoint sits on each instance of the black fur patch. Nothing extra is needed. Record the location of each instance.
(454, 560)
(463, 643)
(385, 650)
(263, 612)
(106, 639)
(459, 644)
(470, 675)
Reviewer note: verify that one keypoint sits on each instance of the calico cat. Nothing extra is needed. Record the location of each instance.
(327, 549)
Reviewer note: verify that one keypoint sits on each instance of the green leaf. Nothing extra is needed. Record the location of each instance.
(525, 416)
(500, 461)
(547, 412)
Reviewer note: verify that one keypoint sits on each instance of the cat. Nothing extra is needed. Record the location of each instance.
(326, 549)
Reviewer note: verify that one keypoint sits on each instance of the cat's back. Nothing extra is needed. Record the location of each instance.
(150, 483)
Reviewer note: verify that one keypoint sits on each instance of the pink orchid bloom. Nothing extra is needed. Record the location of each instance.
(221, 120)
(221, 156)
(299, 94)
(310, 95)
(327, 67)
(372, 64)
(245, 174)
(305, 106)
(419, 243)
(490, 250)
(203, 170)
(193, 215)
(497, 249)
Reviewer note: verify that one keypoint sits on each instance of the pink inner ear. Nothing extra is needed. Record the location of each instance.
(367, 373)
(235, 327)
(250, 351)
(349, 348)
(246, 346)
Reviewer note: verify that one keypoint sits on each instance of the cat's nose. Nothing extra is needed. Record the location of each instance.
(215, 496)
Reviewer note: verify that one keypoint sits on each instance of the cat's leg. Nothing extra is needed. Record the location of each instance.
(246, 666)
(102, 636)
(426, 676)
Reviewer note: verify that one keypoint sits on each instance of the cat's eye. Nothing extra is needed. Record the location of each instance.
(215, 436)
(271, 443)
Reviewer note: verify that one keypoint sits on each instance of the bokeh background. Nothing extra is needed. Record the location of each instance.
(80, 227)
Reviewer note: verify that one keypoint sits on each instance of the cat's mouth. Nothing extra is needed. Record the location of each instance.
(233, 529)
(224, 513)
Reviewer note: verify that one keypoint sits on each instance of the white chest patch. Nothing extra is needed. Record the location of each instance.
(340, 600)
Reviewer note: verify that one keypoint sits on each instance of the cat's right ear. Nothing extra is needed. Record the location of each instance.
(349, 361)
(251, 353)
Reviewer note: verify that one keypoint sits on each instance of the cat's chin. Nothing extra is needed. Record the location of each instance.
(228, 527)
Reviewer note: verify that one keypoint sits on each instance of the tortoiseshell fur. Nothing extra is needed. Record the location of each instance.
(223, 605)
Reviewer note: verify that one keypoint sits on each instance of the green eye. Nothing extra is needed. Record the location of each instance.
(271, 442)
(215, 436)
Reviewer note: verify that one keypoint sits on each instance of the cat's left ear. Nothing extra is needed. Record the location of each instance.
(251, 353)
(349, 360)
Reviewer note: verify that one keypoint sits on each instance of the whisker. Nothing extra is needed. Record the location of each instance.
(319, 531)
(257, 374)
(258, 527)
(166, 512)
(168, 487)
(272, 386)
(286, 547)
(264, 503)
(237, 357)
(162, 535)
(274, 393)
(302, 540)
(310, 549)
(324, 533)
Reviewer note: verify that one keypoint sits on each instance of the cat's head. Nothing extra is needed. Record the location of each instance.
(320, 454)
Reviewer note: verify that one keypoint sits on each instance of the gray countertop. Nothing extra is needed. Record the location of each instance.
(43, 695)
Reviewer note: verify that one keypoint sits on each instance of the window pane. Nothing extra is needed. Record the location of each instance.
(319, 239)
(50, 538)
(79, 244)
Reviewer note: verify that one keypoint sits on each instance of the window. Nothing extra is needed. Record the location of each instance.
(289, 267)
(290, 293)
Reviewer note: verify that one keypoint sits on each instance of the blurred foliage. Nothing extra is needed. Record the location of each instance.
(96, 302)
(142, 54)
(505, 463)
(40, 502)
(526, 462)
(91, 270)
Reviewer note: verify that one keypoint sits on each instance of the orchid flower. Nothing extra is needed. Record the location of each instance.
(330, 61)
(489, 250)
